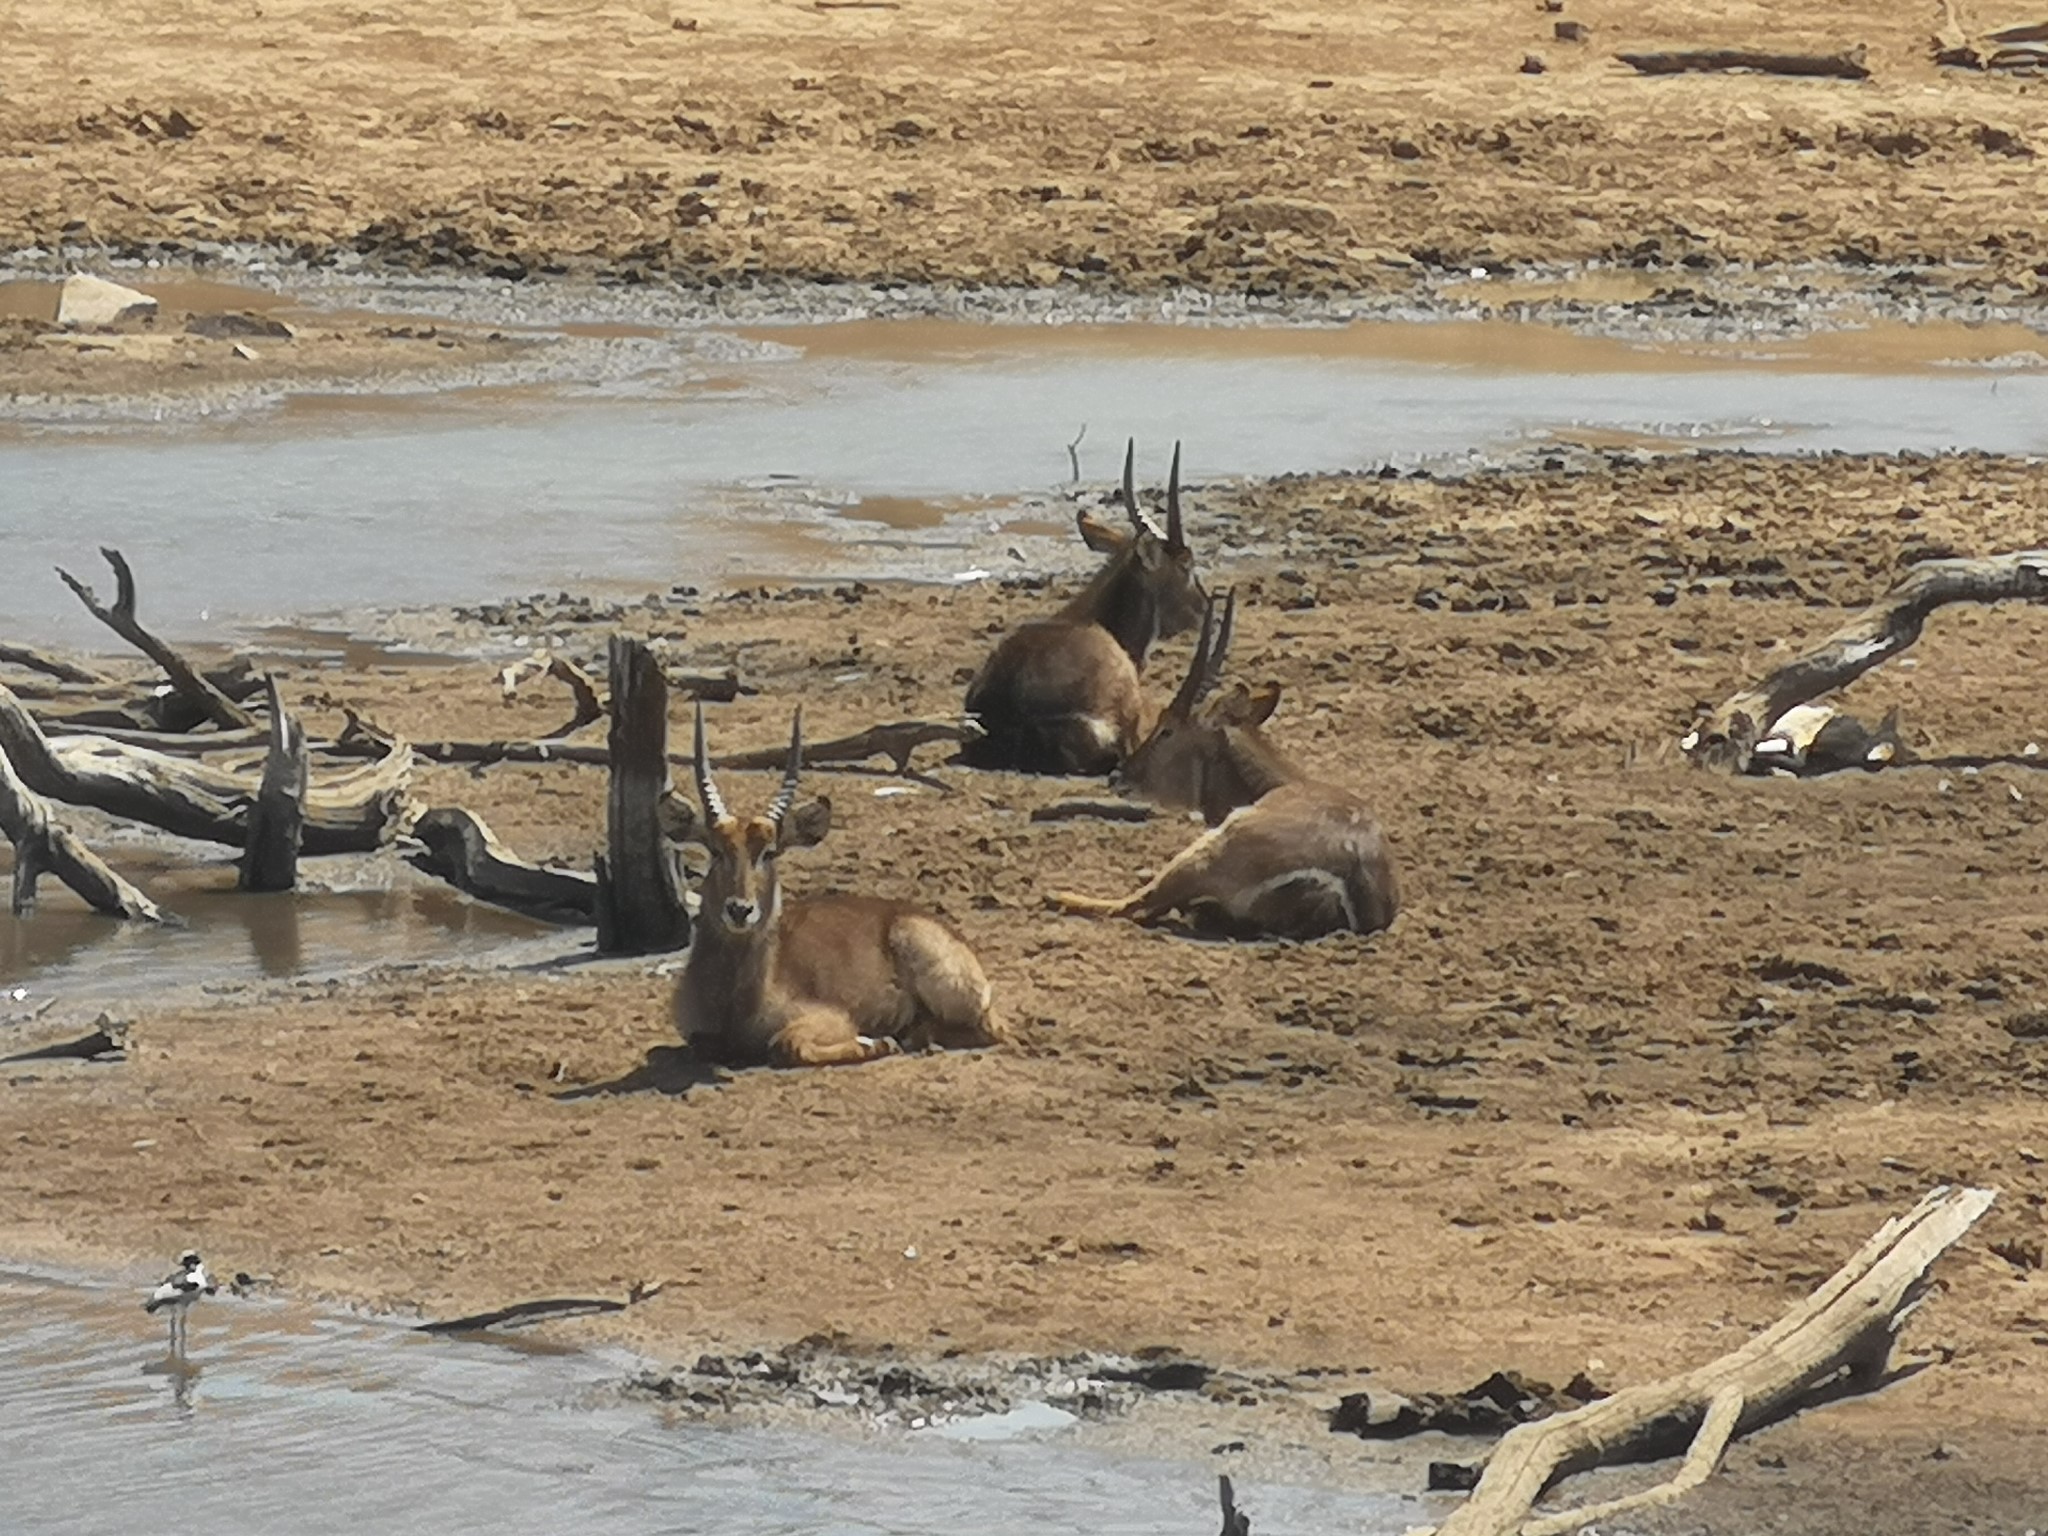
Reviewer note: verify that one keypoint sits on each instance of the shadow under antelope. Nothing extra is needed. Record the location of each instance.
(1061, 695)
(1286, 856)
(821, 981)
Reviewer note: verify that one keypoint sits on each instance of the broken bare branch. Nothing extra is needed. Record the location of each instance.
(1847, 65)
(42, 846)
(457, 846)
(120, 618)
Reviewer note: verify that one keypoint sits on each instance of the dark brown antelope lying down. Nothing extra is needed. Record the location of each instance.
(1061, 695)
(1286, 856)
(826, 981)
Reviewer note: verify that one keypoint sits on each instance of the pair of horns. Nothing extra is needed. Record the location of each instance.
(1173, 535)
(785, 797)
(1205, 672)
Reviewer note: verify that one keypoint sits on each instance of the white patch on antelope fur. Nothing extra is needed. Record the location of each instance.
(1244, 903)
(1103, 731)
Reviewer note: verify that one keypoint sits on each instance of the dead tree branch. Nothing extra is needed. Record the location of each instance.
(120, 618)
(51, 666)
(43, 846)
(1840, 1335)
(458, 847)
(1847, 65)
(355, 811)
(640, 884)
(1728, 737)
(277, 817)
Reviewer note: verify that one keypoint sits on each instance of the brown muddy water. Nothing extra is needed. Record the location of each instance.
(287, 1419)
(699, 452)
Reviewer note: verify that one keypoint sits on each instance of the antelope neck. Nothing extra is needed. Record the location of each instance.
(1247, 770)
(1119, 600)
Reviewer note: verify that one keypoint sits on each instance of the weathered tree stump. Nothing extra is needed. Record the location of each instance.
(43, 846)
(277, 817)
(640, 883)
(120, 618)
(1839, 1336)
(1847, 65)
(458, 847)
(1728, 737)
(353, 812)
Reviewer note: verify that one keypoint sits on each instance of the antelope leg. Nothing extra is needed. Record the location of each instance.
(1187, 881)
(825, 1037)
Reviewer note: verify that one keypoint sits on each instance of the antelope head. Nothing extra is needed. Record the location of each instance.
(1205, 750)
(1149, 588)
(741, 893)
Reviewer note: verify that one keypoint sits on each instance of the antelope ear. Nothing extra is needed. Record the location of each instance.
(1247, 706)
(1098, 535)
(806, 826)
(679, 822)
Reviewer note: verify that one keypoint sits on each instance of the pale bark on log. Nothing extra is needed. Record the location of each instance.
(1847, 65)
(1728, 737)
(51, 666)
(356, 811)
(640, 884)
(120, 618)
(43, 846)
(1839, 1336)
(459, 848)
(277, 817)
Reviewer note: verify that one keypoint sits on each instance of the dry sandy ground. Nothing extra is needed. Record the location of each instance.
(1294, 148)
(1649, 1052)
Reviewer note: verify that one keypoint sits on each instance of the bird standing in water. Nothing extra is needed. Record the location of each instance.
(179, 1289)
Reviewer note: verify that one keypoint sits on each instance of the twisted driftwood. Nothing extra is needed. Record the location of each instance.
(215, 705)
(277, 816)
(1840, 1337)
(354, 812)
(640, 882)
(1847, 65)
(1727, 738)
(458, 847)
(43, 846)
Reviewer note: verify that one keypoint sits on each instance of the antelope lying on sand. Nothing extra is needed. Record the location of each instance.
(824, 981)
(1286, 856)
(1061, 695)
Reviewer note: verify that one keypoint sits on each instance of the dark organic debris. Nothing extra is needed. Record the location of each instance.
(1235, 1521)
(1496, 1404)
(524, 1314)
(107, 1042)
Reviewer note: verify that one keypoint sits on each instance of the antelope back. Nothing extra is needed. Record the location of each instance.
(1148, 588)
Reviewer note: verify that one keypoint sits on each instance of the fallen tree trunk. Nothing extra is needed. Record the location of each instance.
(458, 847)
(1841, 1336)
(277, 817)
(1847, 65)
(355, 812)
(43, 846)
(120, 618)
(51, 666)
(1728, 737)
(640, 882)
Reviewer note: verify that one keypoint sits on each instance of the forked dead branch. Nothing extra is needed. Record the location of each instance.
(1729, 736)
(1837, 1341)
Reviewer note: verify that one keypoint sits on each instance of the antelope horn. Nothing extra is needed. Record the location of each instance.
(714, 803)
(1139, 520)
(785, 797)
(1175, 539)
(1206, 670)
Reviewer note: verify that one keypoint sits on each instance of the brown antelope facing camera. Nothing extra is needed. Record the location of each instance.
(1286, 856)
(1060, 695)
(823, 981)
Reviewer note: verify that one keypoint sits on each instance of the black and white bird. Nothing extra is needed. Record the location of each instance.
(178, 1290)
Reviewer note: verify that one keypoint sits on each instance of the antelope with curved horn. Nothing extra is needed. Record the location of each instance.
(1061, 695)
(1287, 856)
(822, 981)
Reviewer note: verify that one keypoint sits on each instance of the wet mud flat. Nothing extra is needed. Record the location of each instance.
(1648, 1053)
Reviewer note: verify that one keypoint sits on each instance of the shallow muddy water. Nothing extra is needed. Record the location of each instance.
(287, 1419)
(696, 454)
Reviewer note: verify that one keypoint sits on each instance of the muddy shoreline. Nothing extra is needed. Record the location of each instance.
(1568, 1115)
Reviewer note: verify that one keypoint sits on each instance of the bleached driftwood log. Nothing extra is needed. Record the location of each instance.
(51, 666)
(1840, 1336)
(1847, 65)
(44, 846)
(640, 882)
(217, 706)
(458, 847)
(353, 812)
(1727, 738)
(277, 816)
